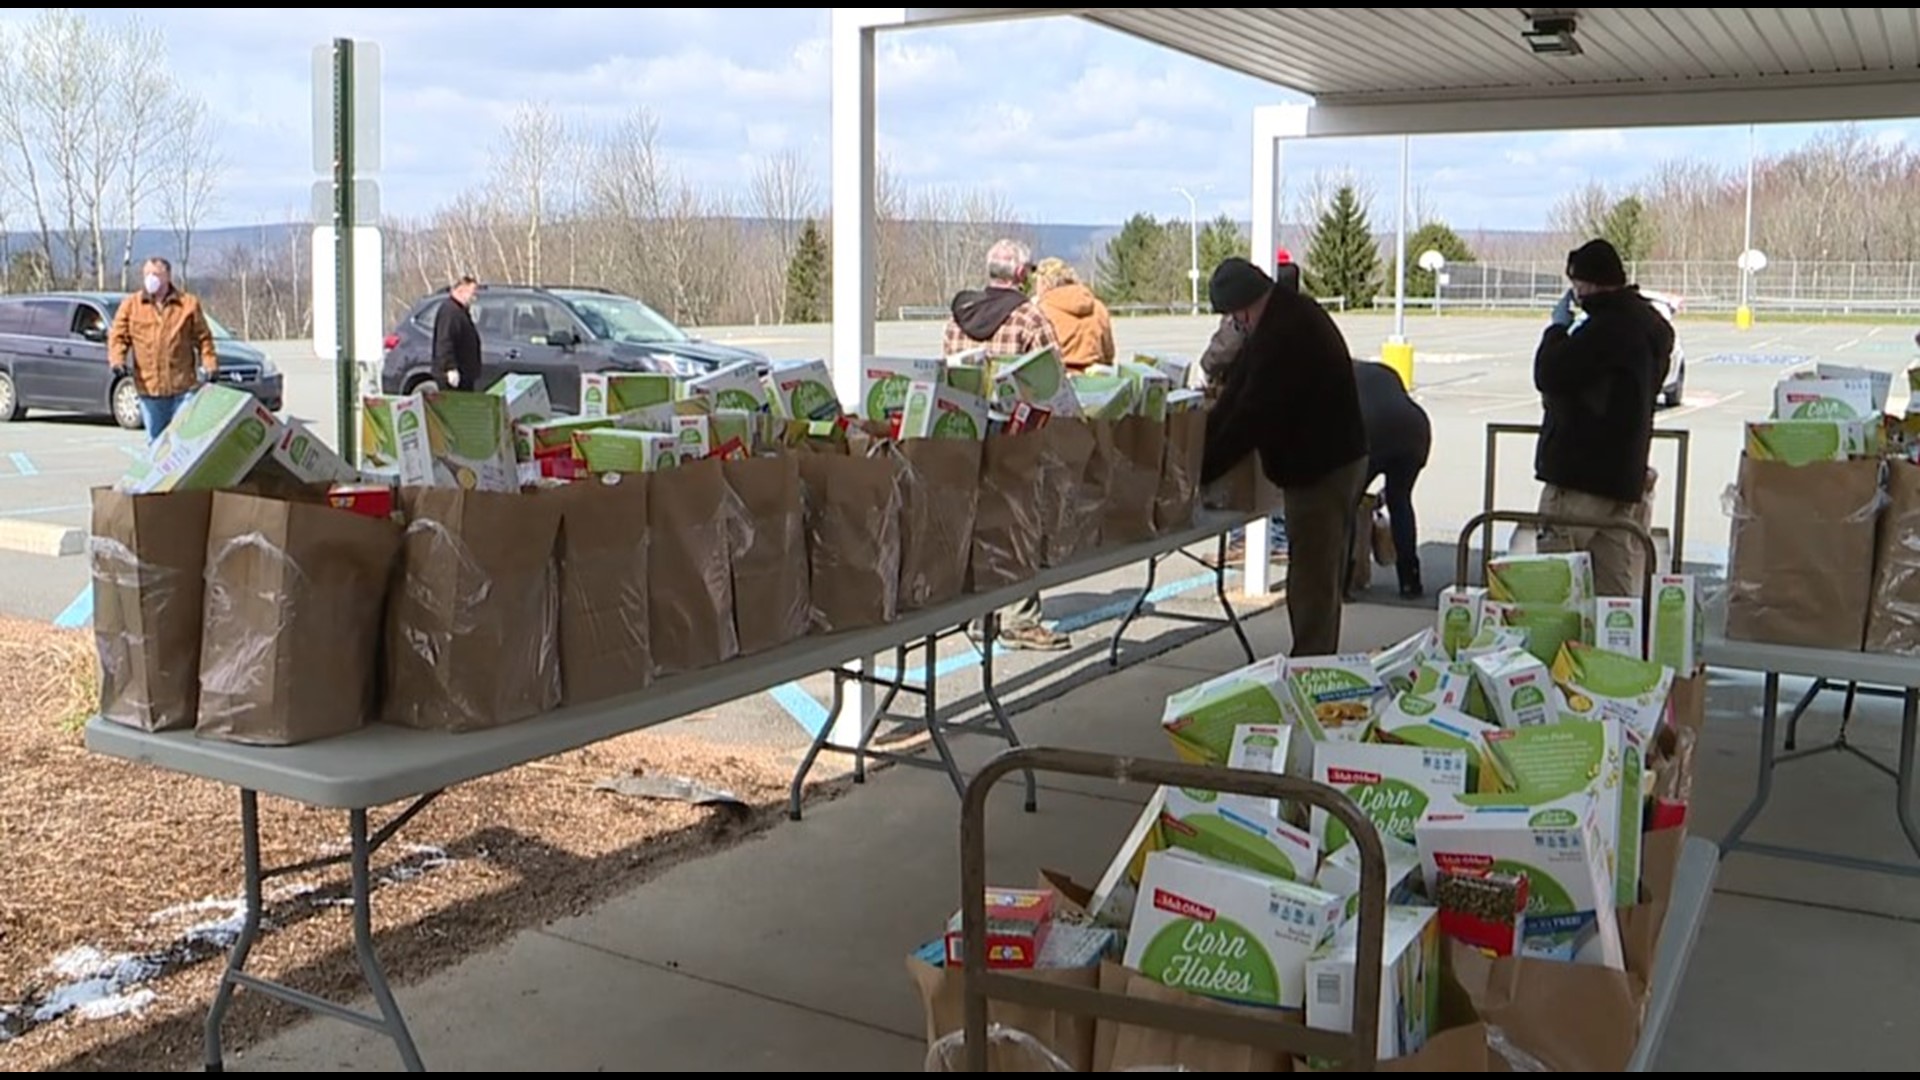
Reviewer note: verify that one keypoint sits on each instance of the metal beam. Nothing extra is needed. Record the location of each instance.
(924, 17)
(1885, 99)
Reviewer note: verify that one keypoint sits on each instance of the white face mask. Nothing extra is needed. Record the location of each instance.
(153, 284)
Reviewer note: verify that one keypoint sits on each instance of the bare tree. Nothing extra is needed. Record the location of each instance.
(530, 149)
(1582, 213)
(189, 184)
(784, 195)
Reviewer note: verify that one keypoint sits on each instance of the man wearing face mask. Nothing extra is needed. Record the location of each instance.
(161, 331)
(456, 343)
(1290, 396)
(1598, 382)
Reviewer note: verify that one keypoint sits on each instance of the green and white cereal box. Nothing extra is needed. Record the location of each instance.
(1518, 686)
(1409, 983)
(1557, 844)
(1459, 617)
(1563, 579)
(884, 383)
(1571, 756)
(455, 438)
(1261, 748)
(526, 396)
(1393, 785)
(1226, 933)
(1823, 399)
(1152, 387)
(1395, 664)
(1201, 719)
(1598, 685)
(1448, 683)
(300, 454)
(215, 440)
(1335, 695)
(611, 393)
(735, 386)
(1113, 897)
(1105, 397)
(692, 437)
(935, 410)
(1617, 625)
(1340, 873)
(1039, 379)
(618, 450)
(1204, 822)
(1676, 623)
(805, 389)
(1419, 721)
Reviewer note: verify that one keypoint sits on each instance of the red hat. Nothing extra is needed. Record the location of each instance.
(1281, 256)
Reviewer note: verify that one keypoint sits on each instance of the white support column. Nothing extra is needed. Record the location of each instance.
(1271, 125)
(854, 153)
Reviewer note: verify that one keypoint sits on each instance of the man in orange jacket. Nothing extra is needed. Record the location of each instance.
(161, 331)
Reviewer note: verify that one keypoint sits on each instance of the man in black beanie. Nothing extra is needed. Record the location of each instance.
(1599, 381)
(1289, 396)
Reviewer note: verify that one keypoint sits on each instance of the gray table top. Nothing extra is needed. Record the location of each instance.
(1686, 910)
(382, 764)
(1843, 665)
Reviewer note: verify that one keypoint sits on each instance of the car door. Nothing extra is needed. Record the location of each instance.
(493, 318)
(81, 368)
(28, 365)
(531, 320)
(63, 378)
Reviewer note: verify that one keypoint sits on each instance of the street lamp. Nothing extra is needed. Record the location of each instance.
(1193, 247)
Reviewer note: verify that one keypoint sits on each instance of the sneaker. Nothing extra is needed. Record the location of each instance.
(1035, 639)
(1412, 590)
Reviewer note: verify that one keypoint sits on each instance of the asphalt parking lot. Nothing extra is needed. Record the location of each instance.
(1470, 371)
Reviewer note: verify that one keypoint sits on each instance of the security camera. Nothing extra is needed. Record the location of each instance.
(1551, 34)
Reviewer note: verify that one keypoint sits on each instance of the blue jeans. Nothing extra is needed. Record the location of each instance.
(158, 412)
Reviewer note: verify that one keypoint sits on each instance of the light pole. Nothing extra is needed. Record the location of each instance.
(1397, 353)
(1743, 318)
(1193, 248)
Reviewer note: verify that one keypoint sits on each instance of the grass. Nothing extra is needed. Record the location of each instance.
(47, 676)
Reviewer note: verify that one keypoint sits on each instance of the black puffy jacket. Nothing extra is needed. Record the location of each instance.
(1598, 384)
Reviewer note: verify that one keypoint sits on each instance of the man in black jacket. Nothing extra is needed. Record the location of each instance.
(456, 343)
(1599, 381)
(1290, 397)
(1399, 438)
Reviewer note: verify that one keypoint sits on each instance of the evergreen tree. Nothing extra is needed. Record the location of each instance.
(1138, 267)
(1220, 239)
(1342, 258)
(806, 300)
(1433, 236)
(1629, 228)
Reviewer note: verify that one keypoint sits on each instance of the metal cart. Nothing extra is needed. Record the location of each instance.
(1356, 1049)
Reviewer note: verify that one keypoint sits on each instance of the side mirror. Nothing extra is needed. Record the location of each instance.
(565, 339)
(95, 334)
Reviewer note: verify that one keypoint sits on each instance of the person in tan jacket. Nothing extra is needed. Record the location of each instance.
(1080, 320)
(161, 331)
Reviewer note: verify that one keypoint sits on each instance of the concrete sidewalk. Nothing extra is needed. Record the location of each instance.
(786, 953)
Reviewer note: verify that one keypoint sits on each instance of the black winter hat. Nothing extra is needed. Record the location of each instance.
(1597, 263)
(1237, 285)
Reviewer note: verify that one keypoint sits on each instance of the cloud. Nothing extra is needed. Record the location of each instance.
(1067, 121)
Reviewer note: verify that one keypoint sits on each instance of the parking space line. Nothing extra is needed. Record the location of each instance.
(1711, 403)
(78, 613)
(32, 510)
(23, 464)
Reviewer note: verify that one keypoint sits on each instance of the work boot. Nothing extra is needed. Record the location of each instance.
(1410, 587)
(1035, 638)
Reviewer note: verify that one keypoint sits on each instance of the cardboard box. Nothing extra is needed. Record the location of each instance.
(1261, 748)
(300, 454)
(379, 443)
(1564, 580)
(805, 390)
(616, 450)
(1113, 898)
(1039, 378)
(1572, 756)
(526, 397)
(1335, 695)
(1201, 719)
(1519, 687)
(611, 393)
(885, 382)
(455, 438)
(1557, 845)
(1152, 387)
(736, 386)
(692, 437)
(1618, 625)
(1394, 785)
(1677, 618)
(937, 411)
(1203, 823)
(1409, 983)
(1459, 620)
(1823, 399)
(1106, 397)
(1177, 369)
(1879, 383)
(215, 440)
(368, 500)
(1018, 921)
(1340, 874)
(1806, 442)
(1185, 401)
(1227, 933)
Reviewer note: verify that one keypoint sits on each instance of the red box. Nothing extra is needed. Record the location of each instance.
(1027, 418)
(1017, 924)
(1493, 936)
(372, 500)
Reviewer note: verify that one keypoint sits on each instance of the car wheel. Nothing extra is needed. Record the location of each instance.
(126, 406)
(10, 409)
(420, 383)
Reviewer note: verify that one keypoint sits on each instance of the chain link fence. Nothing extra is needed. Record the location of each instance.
(1806, 287)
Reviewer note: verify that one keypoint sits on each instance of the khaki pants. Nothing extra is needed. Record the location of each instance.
(1319, 537)
(1619, 561)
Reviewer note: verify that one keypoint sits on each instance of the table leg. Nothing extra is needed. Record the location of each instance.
(1800, 710)
(1763, 785)
(1226, 605)
(1903, 787)
(1139, 602)
(249, 928)
(819, 743)
(988, 691)
(936, 732)
(395, 1025)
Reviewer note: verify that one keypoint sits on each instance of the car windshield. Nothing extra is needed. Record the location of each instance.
(622, 319)
(220, 333)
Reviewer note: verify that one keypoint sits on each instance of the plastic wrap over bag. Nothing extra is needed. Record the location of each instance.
(1179, 494)
(767, 540)
(1129, 452)
(473, 623)
(1800, 570)
(1007, 527)
(1008, 1050)
(147, 556)
(940, 498)
(1070, 495)
(1893, 621)
(689, 574)
(295, 592)
(606, 641)
(853, 538)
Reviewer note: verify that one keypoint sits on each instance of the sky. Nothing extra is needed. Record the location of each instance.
(1096, 125)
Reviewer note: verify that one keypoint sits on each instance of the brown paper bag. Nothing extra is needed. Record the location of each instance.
(940, 497)
(1007, 529)
(605, 636)
(767, 540)
(473, 622)
(1245, 489)
(1893, 624)
(1179, 493)
(1070, 497)
(1124, 1046)
(148, 553)
(853, 539)
(1067, 1036)
(295, 595)
(1132, 450)
(689, 575)
(1801, 566)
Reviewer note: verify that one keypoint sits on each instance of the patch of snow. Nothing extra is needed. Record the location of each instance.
(96, 984)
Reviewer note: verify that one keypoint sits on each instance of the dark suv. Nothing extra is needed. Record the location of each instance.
(53, 355)
(556, 333)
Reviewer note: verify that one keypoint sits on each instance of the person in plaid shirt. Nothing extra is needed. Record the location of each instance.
(1000, 319)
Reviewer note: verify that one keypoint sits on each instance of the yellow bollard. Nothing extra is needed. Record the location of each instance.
(1743, 318)
(1398, 355)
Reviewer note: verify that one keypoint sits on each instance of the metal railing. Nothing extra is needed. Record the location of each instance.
(1802, 286)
